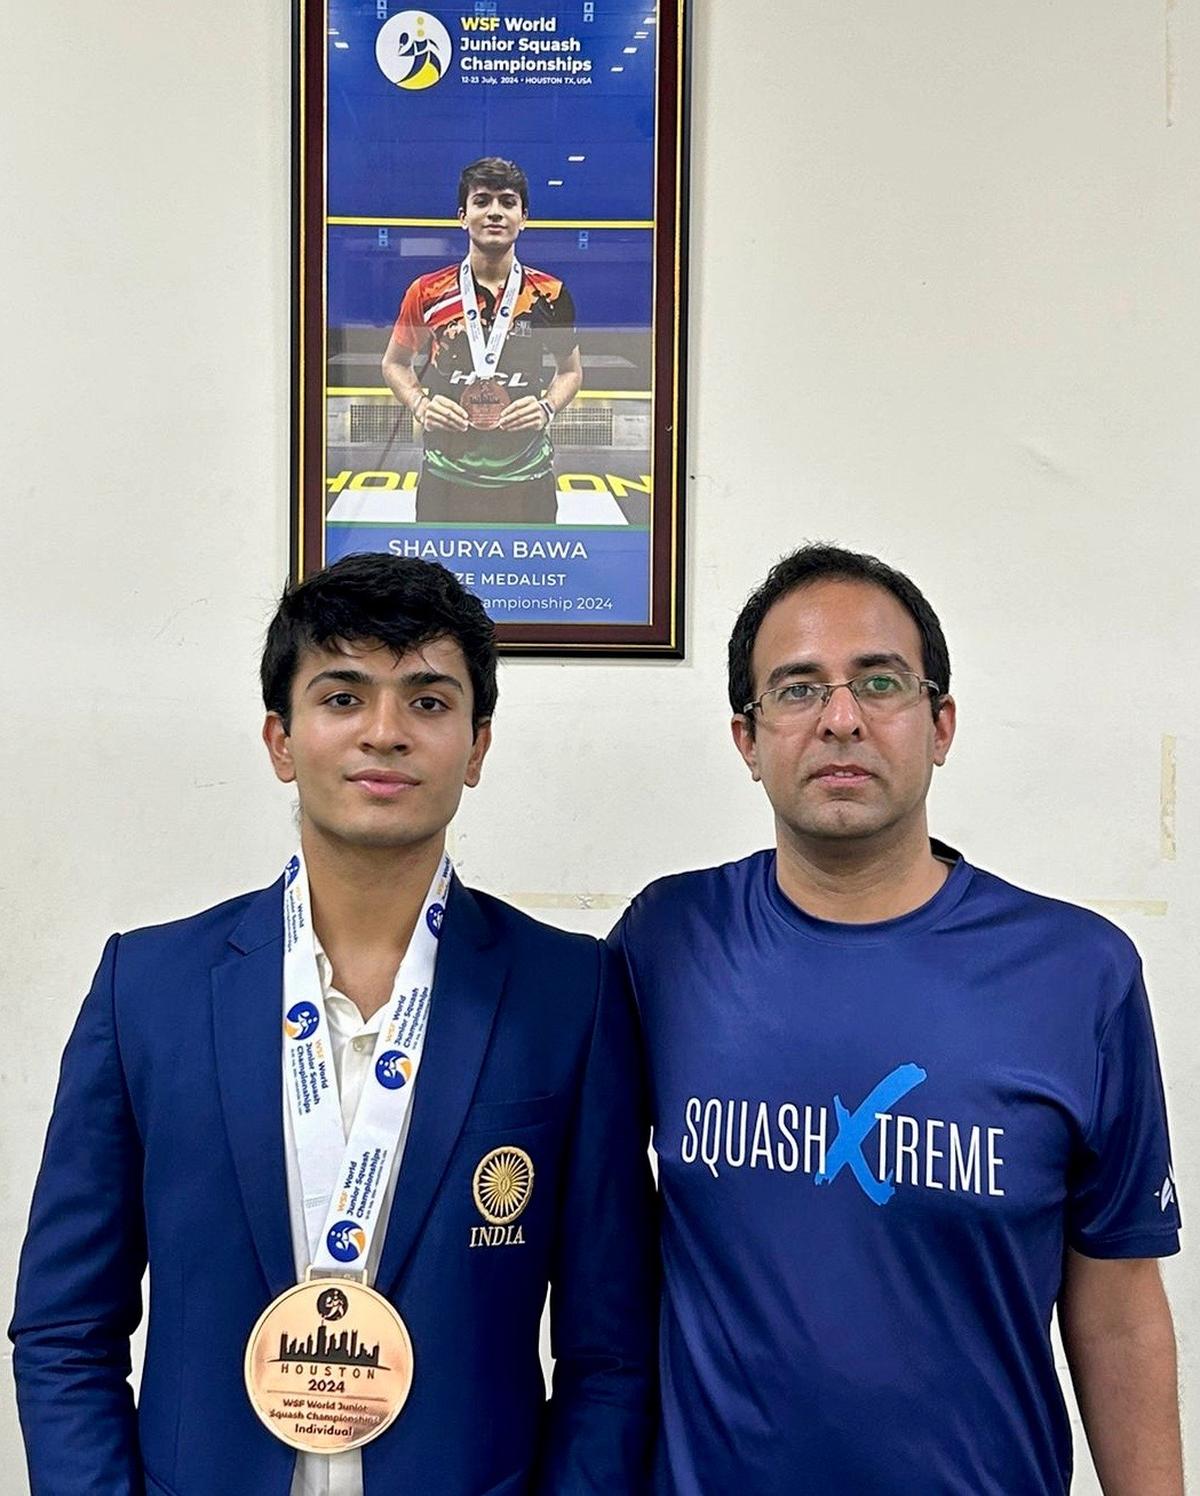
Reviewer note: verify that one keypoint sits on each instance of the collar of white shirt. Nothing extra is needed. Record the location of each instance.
(346, 1023)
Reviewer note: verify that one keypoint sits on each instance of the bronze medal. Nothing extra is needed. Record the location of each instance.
(484, 401)
(329, 1365)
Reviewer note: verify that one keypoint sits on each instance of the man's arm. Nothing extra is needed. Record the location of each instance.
(567, 381)
(79, 1285)
(604, 1284)
(1120, 1344)
(439, 414)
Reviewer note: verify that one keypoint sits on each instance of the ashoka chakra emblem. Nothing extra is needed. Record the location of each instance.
(503, 1184)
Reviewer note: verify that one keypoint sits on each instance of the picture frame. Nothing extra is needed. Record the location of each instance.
(563, 508)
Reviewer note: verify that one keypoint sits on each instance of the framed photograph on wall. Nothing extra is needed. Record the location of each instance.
(490, 215)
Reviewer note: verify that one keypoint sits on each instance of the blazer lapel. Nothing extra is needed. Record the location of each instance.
(247, 1027)
(467, 985)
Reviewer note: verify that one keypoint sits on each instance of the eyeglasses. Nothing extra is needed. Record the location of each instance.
(881, 693)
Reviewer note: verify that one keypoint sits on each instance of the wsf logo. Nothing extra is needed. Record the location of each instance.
(302, 1021)
(290, 872)
(346, 1241)
(393, 1069)
(433, 918)
(413, 49)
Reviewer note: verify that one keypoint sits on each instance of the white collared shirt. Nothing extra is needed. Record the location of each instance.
(353, 1040)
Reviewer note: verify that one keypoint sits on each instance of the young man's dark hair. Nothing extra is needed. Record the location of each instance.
(494, 172)
(818, 563)
(398, 600)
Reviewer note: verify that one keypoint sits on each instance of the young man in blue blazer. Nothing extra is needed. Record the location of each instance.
(365, 1074)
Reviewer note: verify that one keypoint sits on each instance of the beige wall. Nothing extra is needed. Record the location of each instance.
(983, 219)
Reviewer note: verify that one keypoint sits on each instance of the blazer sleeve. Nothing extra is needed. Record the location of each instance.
(79, 1283)
(604, 1284)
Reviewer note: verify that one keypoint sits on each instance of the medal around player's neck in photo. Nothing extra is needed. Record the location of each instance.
(485, 396)
(329, 1364)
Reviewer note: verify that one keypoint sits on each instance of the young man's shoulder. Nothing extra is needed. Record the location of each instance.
(556, 981)
(435, 289)
(251, 919)
(543, 282)
(525, 933)
(207, 933)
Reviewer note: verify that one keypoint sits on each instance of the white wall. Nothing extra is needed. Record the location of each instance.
(983, 220)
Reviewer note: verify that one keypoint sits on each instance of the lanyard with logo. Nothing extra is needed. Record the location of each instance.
(485, 357)
(485, 396)
(329, 1364)
(344, 1179)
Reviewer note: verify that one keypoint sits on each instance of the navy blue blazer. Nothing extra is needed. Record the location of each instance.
(166, 1145)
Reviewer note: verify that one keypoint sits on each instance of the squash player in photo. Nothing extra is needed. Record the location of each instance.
(482, 399)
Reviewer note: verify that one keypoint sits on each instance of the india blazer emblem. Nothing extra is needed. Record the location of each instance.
(502, 1188)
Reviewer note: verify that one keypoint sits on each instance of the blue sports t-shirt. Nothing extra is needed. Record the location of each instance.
(875, 1143)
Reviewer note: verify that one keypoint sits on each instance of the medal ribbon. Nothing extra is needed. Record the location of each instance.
(485, 357)
(344, 1179)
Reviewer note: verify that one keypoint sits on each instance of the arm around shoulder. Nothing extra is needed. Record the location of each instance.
(79, 1283)
(604, 1290)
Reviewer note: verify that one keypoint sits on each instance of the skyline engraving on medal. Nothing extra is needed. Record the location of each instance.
(334, 1350)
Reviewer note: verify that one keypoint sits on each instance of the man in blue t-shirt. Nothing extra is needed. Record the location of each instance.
(903, 1110)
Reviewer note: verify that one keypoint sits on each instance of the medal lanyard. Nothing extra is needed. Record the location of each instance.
(344, 1179)
(485, 357)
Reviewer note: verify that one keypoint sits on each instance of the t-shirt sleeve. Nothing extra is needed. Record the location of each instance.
(1122, 1200)
(410, 331)
(564, 334)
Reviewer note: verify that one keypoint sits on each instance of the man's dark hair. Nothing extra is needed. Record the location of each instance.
(819, 563)
(494, 172)
(398, 600)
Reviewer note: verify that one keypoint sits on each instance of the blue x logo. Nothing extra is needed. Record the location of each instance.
(853, 1130)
